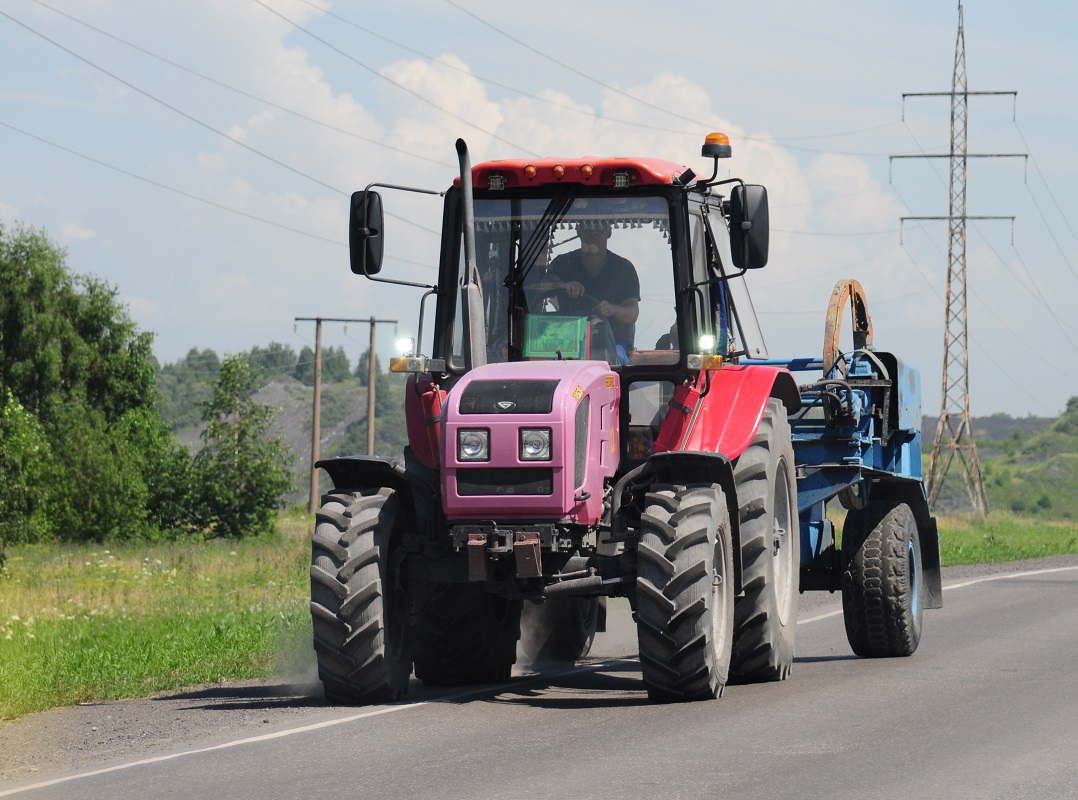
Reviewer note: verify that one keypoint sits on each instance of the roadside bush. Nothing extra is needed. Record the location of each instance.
(240, 476)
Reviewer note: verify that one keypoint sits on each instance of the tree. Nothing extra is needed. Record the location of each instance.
(65, 336)
(304, 371)
(363, 367)
(79, 381)
(183, 385)
(275, 361)
(241, 475)
(24, 451)
(335, 366)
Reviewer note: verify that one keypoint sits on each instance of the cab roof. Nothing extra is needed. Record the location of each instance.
(585, 171)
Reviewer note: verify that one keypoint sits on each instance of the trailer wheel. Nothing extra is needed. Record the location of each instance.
(559, 630)
(765, 617)
(881, 580)
(465, 635)
(684, 592)
(361, 638)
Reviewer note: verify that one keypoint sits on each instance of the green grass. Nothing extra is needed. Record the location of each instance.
(85, 623)
(1003, 537)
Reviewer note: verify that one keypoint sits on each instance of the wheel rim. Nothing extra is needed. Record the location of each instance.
(782, 548)
(914, 577)
(719, 611)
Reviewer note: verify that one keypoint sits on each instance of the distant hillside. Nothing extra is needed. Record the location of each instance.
(989, 430)
(343, 424)
(1030, 465)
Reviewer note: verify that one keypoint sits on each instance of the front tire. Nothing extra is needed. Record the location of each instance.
(685, 592)
(882, 582)
(765, 616)
(358, 611)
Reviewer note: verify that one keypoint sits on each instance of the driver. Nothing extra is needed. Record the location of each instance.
(597, 282)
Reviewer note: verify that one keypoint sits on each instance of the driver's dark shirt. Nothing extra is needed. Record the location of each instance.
(615, 283)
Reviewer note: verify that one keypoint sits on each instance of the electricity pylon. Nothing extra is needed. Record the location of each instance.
(954, 433)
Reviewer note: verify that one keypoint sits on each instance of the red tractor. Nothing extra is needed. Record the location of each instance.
(595, 419)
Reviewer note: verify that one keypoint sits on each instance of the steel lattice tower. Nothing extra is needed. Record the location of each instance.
(954, 433)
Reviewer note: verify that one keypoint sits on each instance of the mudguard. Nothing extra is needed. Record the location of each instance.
(419, 495)
(682, 467)
(722, 410)
(912, 493)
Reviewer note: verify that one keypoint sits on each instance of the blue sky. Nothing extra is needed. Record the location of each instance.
(198, 156)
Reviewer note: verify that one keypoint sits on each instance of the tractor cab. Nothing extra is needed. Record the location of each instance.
(630, 261)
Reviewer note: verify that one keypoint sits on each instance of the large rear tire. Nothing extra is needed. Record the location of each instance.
(558, 630)
(464, 635)
(358, 611)
(685, 592)
(765, 616)
(882, 580)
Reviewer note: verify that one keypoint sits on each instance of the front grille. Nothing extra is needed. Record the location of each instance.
(508, 397)
(479, 481)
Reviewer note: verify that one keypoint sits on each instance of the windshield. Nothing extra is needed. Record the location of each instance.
(575, 277)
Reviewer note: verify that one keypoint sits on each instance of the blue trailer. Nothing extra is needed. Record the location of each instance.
(857, 440)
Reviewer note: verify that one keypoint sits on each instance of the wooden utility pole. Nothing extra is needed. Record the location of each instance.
(316, 420)
(316, 427)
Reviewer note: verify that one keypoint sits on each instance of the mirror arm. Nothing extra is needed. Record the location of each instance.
(369, 232)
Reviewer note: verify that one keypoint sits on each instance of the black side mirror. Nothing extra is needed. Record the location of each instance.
(749, 226)
(365, 224)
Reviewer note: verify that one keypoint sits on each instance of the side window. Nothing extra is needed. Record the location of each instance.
(701, 300)
(648, 404)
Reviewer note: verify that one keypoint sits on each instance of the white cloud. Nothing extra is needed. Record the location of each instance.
(71, 232)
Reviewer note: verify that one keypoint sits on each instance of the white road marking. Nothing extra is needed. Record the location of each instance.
(330, 723)
(409, 706)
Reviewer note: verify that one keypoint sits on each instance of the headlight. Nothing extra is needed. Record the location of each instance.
(535, 444)
(473, 445)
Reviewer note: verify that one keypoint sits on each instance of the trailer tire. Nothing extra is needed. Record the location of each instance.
(684, 592)
(559, 630)
(765, 616)
(882, 580)
(358, 613)
(465, 635)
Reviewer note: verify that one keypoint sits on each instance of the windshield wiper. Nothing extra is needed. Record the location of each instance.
(555, 211)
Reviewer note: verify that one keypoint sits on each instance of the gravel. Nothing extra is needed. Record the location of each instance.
(98, 734)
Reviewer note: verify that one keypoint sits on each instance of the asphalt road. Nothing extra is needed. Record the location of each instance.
(987, 708)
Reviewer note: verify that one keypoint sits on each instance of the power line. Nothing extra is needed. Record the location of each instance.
(199, 122)
(175, 109)
(569, 67)
(490, 81)
(768, 141)
(1037, 168)
(398, 84)
(241, 92)
(168, 188)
